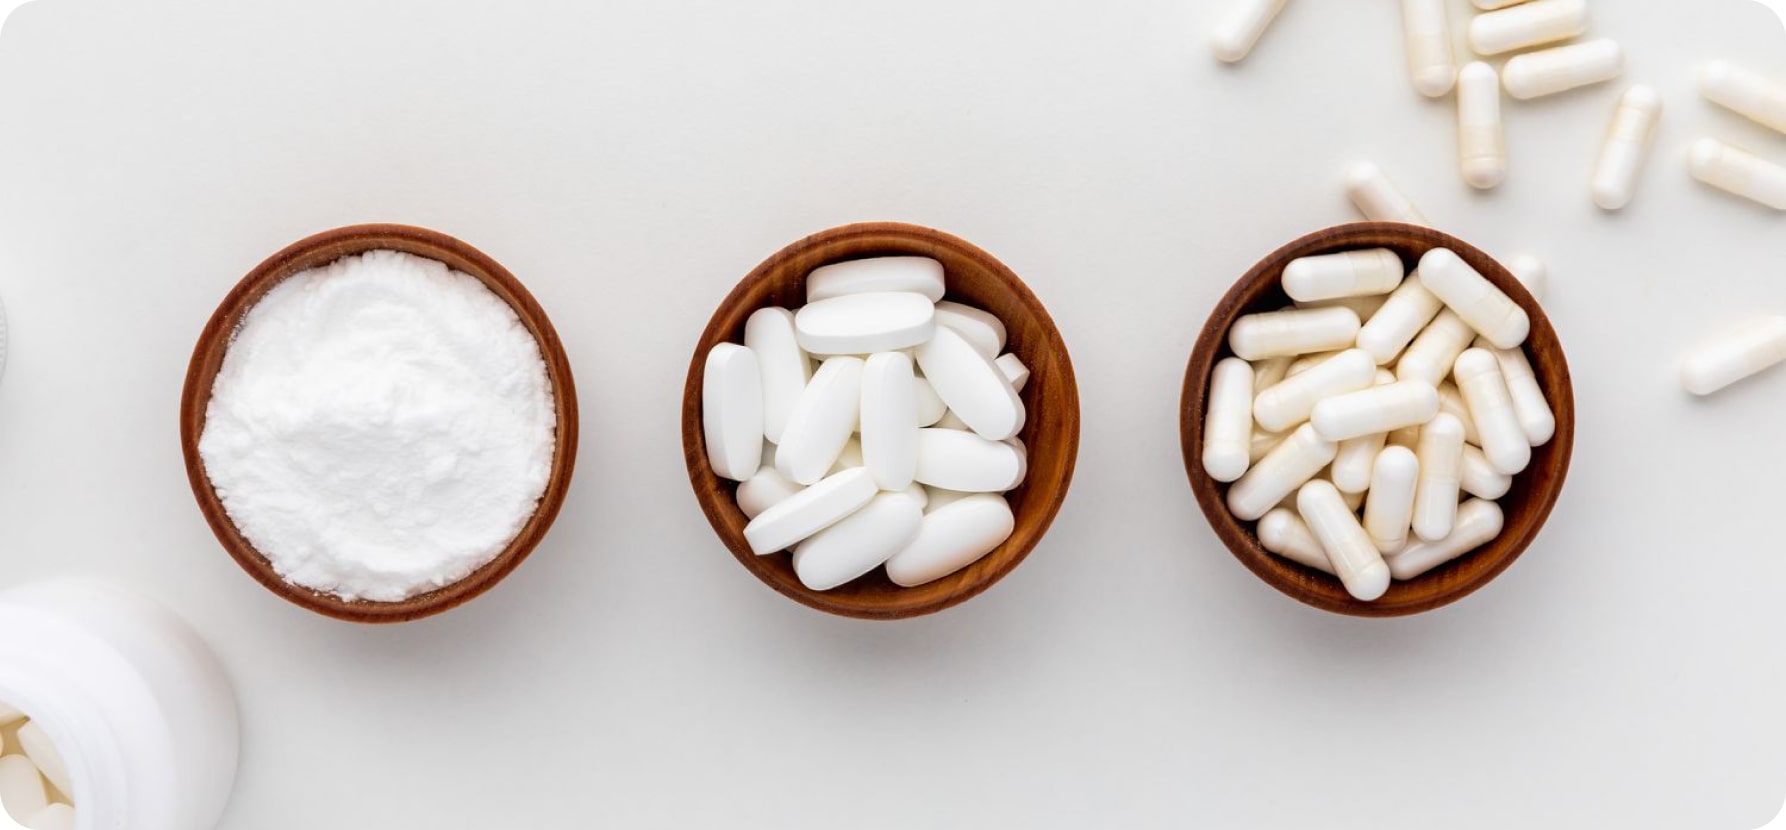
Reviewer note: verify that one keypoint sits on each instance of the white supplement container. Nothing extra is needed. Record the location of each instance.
(137, 706)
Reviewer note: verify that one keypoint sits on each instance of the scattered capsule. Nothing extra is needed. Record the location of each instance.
(1481, 137)
(1562, 68)
(1748, 350)
(1749, 94)
(1529, 24)
(1239, 31)
(1627, 143)
(1375, 196)
(1531, 273)
(1738, 172)
(1427, 32)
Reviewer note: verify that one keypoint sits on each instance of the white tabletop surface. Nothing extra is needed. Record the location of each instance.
(631, 160)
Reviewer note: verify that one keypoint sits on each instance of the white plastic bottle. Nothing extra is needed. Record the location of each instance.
(137, 706)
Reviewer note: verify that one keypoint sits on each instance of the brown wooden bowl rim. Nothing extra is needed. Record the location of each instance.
(321, 249)
(717, 508)
(1440, 586)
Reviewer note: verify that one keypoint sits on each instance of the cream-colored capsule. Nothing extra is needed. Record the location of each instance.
(1355, 462)
(1531, 273)
(1529, 403)
(1389, 509)
(1504, 441)
(1239, 31)
(1480, 478)
(1405, 437)
(1309, 361)
(1562, 68)
(1379, 409)
(1481, 136)
(1263, 444)
(1364, 307)
(1290, 402)
(1287, 467)
(1478, 523)
(1377, 197)
(1268, 372)
(1435, 495)
(1738, 172)
(1429, 358)
(1529, 24)
(1486, 308)
(1451, 402)
(1283, 533)
(1228, 421)
(1344, 274)
(1427, 33)
(1403, 315)
(1355, 557)
(1293, 332)
(1491, 5)
(1627, 143)
(1749, 94)
(1748, 349)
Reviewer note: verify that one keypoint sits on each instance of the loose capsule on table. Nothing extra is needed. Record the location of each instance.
(1378, 198)
(1738, 172)
(1627, 143)
(1427, 32)
(1750, 349)
(1559, 69)
(1481, 136)
(1747, 93)
(1529, 24)
(1240, 30)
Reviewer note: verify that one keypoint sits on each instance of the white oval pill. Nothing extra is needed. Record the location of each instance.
(1528, 24)
(1293, 332)
(1550, 71)
(1228, 420)
(971, 384)
(42, 752)
(809, 511)
(764, 490)
(1480, 478)
(1378, 198)
(890, 419)
(53, 817)
(769, 334)
(1478, 523)
(952, 537)
(963, 461)
(1484, 389)
(877, 275)
(1429, 358)
(930, 405)
(1435, 496)
(1015, 372)
(1481, 133)
(1531, 273)
(1745, 92)
(1355, 557)
(1745, 350)
(1477, 301)
(1622, 153)
(1738, 172)
(822, 421)
(1401, 318)
(21, 786)
(1287, 467)
(1389, 509)
(1343, 274)
(981, 328)
(859, 543)
(1282, 532)
(1379, 409)
(856, 324)
(1290, 402)
(732, 411)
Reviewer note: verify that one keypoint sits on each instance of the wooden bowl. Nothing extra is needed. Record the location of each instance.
(320, 250)
(1051, 432)
(1526, 506)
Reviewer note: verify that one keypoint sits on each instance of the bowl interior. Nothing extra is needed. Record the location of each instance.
(323, 249)
(1527, 505)
(1051, 431)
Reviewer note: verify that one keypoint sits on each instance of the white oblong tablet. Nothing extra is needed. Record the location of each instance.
(859, 543)
(981, 328)
(769, 333)
(890, 419)
(951, 537)
(809, 511)
(877, 275)
(822, 421)
(1015, 371)
(930, 405)
(764, 490)
(865, 323)
(971, 384)
(963, 461)
(732, 411)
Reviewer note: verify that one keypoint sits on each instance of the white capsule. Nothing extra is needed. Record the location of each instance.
(1269, 372)
(1627, 143)
(1389, 509)
(971, 384)
(1749, 94)
(53, 817)
(1371, 190)
(1355, 557)
(1486, 308)
(981, 328)
(1529, 403)
(1240, 29)
(1431, 355)
(955, 460)
(1263, 444)
(732, 411)
(1531, 273)
(1290, 402)
(1481, 136)
(889, 419)
(877, 275)
(1391, 329)
(1364, 307)
(1484, 389)
(1288, 466)
(1228, 420)
(1530, 24)
(822, 421)
(810, 511)
(930, 405)
(1478, 523)
(1293, 332)
(1408, 437)
(1451, 402)
(1282, 532)
(858, 543)
(1014, 370)
(1355, 462)
(1426, 31)
(764, 490)
(1562, 68)
(1480, 478)
(1441, 458)
(1750, 348)
(1345, 274)
(953, 537)
(1309, 361)
(1738, 172)
(21, 787)
(1379, 409)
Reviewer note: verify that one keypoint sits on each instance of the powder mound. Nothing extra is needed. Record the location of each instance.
(381, 427)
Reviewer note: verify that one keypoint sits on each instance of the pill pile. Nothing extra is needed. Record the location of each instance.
(34, 782)
(895, 450)
(1351, 424)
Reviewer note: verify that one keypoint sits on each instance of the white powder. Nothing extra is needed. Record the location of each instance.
(381, 427)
